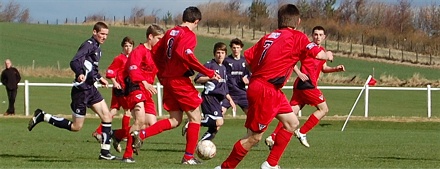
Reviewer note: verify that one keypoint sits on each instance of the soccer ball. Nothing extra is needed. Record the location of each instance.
(206, 150)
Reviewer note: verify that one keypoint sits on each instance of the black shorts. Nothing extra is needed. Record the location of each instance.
(211, 106)
(81, 99)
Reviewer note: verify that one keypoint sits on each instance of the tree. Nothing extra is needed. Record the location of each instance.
(167, 18)
(12, 12)
(258, 13)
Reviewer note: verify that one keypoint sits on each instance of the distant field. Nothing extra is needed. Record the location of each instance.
(364, 144)
(50, 45)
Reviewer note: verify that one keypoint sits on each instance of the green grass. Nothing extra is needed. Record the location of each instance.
(363, 144)
(49, 45)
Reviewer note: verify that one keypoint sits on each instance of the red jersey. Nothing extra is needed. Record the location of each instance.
(312, 66)
(273, 57)
(174, 56)
(140, 65)
(116, 68)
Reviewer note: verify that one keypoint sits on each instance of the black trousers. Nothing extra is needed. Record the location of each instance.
(12, 94)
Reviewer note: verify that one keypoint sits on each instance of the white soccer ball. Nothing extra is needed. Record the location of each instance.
(206, 150)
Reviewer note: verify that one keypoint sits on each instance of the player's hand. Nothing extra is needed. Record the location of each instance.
(340, 68)
(117, 85)
(245, 80)
(81, 78)
(329, 55)
(234, 107)
(303, 76)
(149, 87)
(103, 82)
(216, 77)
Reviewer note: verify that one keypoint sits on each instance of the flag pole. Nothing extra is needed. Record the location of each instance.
(354, 105)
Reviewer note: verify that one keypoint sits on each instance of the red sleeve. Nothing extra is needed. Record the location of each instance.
(134, 65)
(188, 55)
(112, 70)
(157, 53)
(249, 54)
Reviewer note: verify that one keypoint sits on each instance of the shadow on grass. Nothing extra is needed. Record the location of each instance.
(35, 158)
(406, 159)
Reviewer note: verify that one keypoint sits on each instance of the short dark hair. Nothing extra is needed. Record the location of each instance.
(191, 14)
(220, 46)
(236, 41)
(154, 30)
(288, 16)
(99, 25)
(127, 39)
(318, 28)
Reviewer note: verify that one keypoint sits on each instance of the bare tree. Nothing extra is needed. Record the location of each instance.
(10, 12)
(258, 13)
(24, 16)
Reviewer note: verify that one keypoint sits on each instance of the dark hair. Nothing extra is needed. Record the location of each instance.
(127, 39)
(154, 30)
(191, 14)
(236, 41)
(220, 46)
(99, 25)
(318, 28)
(288, 16)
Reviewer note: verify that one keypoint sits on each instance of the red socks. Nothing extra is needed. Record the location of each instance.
(309, 124)
(237, 154)
(282, 139)
(156, 128)
(192, 137)
(125, 122)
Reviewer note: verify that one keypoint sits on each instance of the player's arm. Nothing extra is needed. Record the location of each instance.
(300, 74)
(77, 63)
(187, 46)
(112, 71)
(325, 55)
(328, 69)
(231, 102)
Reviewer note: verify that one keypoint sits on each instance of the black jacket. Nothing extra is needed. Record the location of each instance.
(10, 78)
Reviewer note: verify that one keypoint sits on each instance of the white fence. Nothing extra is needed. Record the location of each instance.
(159, 88)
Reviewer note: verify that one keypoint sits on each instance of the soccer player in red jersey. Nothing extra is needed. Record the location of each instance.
(306, 88)
(271, 61)
(175, 60)
(115, 72)
(140, 72)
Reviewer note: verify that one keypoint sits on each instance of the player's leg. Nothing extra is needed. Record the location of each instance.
(101, 109)
(213, 116)
(78, 105)
(192, 136)
(270, 140)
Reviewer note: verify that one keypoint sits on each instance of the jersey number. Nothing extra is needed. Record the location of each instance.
(266, 46)
(169, 47)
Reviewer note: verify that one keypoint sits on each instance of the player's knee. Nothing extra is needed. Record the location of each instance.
(219, 122)
(75, 128)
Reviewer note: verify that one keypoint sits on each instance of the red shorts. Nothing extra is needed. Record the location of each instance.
(180, 94)
(265, 102)
(311, 97)
(142, 95)
(118, 101)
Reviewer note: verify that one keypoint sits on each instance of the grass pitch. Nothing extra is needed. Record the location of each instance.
(363, 144)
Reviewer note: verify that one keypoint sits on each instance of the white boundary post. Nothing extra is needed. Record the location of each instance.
(354, 105)
(428, 88)
(367, 93)
(26, 97)
(159, 98)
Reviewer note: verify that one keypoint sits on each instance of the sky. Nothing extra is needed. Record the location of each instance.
(51, 10)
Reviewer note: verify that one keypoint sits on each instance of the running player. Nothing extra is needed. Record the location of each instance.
(306, 88)
(271, 61)
(175, 60)
(84, 93)
(214, 93)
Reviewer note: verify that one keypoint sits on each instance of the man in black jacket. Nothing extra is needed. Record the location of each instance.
(10, 78)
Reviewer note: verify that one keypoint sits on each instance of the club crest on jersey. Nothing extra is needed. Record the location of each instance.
(132, 67)
(261, 126)
(110, 71)
(321, 97)
(174, 32)
(274, 35)
(188, 51)
(138, 96)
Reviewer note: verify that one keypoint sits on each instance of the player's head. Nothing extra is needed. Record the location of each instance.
(318, 34)
(154, 34)
(100, 32)
(288, 16)
(192, 15)
(219, 51)
(236, 46)
(127, 45)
